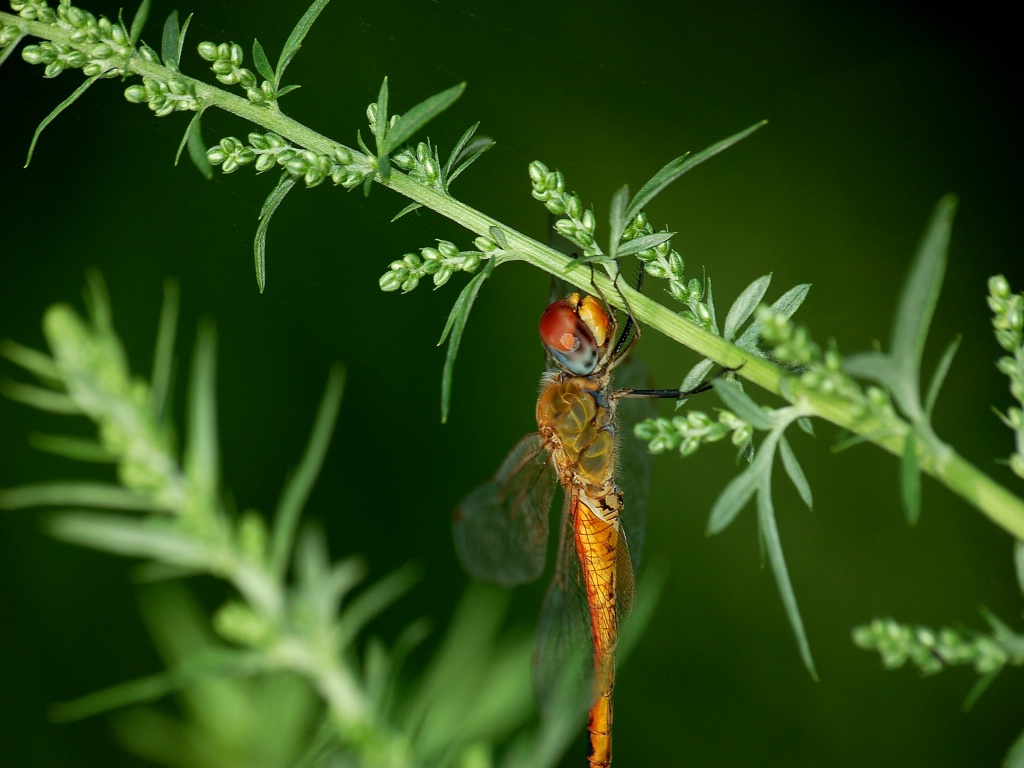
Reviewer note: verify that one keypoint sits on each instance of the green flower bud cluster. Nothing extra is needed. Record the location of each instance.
(790, 343)
(98, 46)
(929, 650)
(578, 225)
(1008, 324)
(441, 262)
(176, 94)
(820, 371)
(95, 373)
(686, 433)
(34, 10)
(226, 64)
(661, 262)
(268, 150)
(665, 263)
(422, 164)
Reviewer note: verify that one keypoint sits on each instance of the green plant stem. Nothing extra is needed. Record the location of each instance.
(938, 459)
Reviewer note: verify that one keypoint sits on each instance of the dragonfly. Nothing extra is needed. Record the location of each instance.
(501, 528)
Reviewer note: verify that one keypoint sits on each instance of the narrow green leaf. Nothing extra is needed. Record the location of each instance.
(739, 402)
(163, 352)
(281, 92)
(380, 125)
(294, 41)
(455, 325)
(921, 288)
(72, 493)
(170, 41)
(456, 152)
(207, 664)
(696, 375)
(1003, 634)
(362, 144)
(1015, 757)
(193, 139)
(138, 22)
(709, 301)
(745, 305)
(97, 302)
(643, 243)
(899, 369)
(910, 478)
(59, 108)
(156, 538)
(197, 147)
(182, 34)
(471, 154)
(259, 59)
(1018, 562)
(39, 364)
(414, 119)
(678, 167)
(202, 455)
(38, 397)
(466, 153)
(617, 219)
(408, 209)
(142, 690)
(795, 472)
(300, 484)
(733, 499)
(786, 305)
(75, 448)
(940, 375)
(978, 689)
(773, 546)
(274, 199)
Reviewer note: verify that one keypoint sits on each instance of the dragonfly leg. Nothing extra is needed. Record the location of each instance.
(676, 394)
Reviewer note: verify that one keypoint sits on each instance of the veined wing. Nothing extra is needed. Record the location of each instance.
(501, 528)
(563, 657)
(574, 656)
(633, 468)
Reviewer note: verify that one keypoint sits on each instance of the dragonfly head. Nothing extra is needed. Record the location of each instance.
(575, 332)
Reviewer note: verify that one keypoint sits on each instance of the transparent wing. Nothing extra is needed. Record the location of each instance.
(501, 528)
(564, 657)
(633, 467)
(563, 660)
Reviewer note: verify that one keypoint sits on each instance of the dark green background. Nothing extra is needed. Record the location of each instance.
(876, 110)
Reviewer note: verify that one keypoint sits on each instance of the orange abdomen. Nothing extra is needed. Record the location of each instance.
(597, 545)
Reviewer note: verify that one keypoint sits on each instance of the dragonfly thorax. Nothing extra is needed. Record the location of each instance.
(579, 428)
(575, 332)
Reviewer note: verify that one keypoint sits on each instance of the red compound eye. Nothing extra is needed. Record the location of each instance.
(568, 338)
(558, 327)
